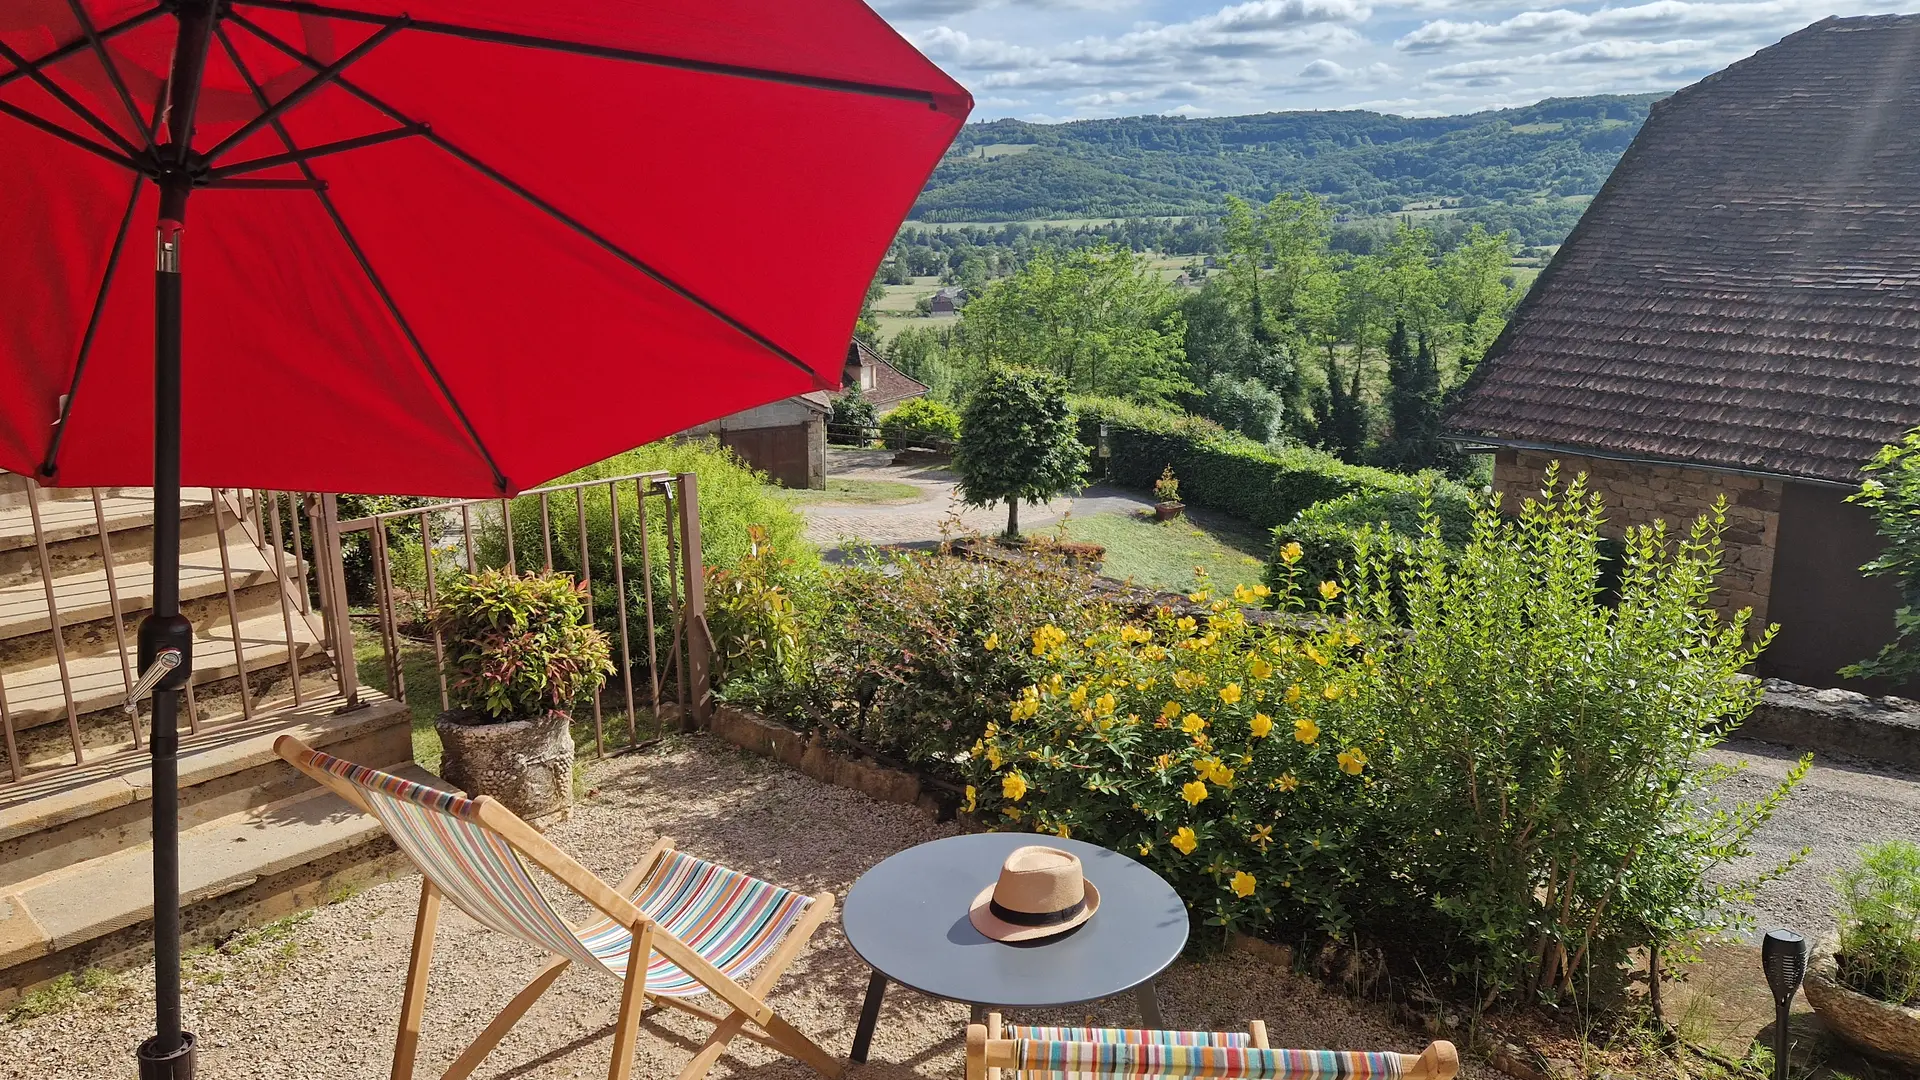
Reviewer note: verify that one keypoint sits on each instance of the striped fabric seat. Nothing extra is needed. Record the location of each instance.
(1144, 1058)
(732, 920)
(1127, 1035)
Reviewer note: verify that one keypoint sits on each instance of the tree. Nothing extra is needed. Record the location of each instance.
(1413, 403)
(867, 329)
(1018, 440)
(1341, 414)
(1102, 319)
(1247, 406)
(852, 419)
(1475, 282)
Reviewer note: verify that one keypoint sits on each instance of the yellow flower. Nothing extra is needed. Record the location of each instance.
(1185, 840)
(1104, 705)
(1262, 836)
(1262, 591)
(1170, 710)
(1013, 786)
(1329, 590)
(1201, 596)
(1260, 669)
(1262, 725)
(1194, 792)
(1293, 694)
(1012, 813)
(1060, 830)
(1243, 884)
(992, 642)
(1187, 623)
(1352, 761)
(1305, 730)
(1230, 693)
(971, 797)
(1192, 724)
(1146, 849)
(1048, 639)
(1290, 554)
(1288, 782)
(1078, 697)
(993, 756)
(1163, 762)
(1333, 691)
(1187, 680)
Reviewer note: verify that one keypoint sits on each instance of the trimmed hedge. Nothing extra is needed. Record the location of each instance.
(1325, 532)
(1218, 469)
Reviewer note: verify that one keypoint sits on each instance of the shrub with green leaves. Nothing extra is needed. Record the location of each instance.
(518, 646)
(920, 422)
(1325, 532)
(1471, 757)
(1891, 492)
(1879, 953)
(1017, 442)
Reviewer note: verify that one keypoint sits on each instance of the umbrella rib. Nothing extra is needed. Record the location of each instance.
(495, 175)
(292, 156)
(604, 52)
(366, 267)
(75, 46)
(65, 135)
(72, 103)
(328, 74)
(99, 46)
(50, 463)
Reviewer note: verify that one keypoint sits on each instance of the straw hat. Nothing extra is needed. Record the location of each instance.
(1041, 892)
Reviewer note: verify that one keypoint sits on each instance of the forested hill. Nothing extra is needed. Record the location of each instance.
(1362, 162)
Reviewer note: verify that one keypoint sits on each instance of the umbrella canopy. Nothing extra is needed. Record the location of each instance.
(447, 247)
(450, 247)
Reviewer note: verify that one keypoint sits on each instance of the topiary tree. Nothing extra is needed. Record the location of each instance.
(1018, 440)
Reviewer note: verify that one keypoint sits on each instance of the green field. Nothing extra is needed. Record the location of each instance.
(861, 492)
(1163, 554)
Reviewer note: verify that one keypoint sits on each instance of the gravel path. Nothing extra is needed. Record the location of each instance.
(319, 997)
(1839, 807)
(938, 514)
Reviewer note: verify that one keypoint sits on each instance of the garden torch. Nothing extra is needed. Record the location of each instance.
(1783, 955)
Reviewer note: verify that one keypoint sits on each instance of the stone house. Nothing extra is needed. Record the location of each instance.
(1737, 316)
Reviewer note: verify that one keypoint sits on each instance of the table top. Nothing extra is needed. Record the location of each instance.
(907, 918)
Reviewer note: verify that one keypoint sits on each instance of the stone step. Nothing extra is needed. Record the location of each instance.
(84, 597)
(68, 516)
(63, 818)
(238, 870)
(34, 695)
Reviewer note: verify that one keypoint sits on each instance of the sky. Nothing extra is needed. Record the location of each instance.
(1053, 60)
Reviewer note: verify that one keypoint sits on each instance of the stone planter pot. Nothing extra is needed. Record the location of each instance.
(527, 765)
(1869, 1023)
(1168, 510)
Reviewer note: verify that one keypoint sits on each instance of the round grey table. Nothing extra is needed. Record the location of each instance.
(907, 918)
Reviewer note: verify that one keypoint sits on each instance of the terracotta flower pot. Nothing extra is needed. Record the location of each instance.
(527, 765)
(1167, 510)
(1879, 1026)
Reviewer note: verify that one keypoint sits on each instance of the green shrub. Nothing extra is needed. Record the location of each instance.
(851, 423)
(1477, 761)
(735, 501)
(920, 422)
(1879, 953)
(1325, 532)
(1220, 470)
(517, 645)
(758, 630)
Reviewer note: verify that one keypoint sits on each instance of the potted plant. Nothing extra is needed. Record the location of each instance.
(1167, 491)
(1866, 984)
(521, 652)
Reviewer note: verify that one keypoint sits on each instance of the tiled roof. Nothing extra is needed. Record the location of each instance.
(890, 384)
(1744, 292)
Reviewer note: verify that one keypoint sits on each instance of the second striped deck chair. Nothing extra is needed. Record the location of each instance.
(1048, 1053)
(674, 928)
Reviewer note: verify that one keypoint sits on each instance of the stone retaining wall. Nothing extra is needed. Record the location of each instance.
(812, 756)
(1885, 729)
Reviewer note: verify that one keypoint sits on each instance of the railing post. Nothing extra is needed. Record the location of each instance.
(699, 659)
(330, 565)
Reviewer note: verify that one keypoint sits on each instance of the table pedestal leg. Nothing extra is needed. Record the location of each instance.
(869, 1017)
(979, 1015)
(1150, 1007)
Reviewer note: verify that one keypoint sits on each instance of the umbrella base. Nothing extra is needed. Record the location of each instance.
(177, 1065)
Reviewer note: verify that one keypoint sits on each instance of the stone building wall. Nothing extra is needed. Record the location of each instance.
(1637, 494)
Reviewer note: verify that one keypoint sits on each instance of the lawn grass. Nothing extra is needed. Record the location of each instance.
(1163, 554)
(423, 686)
(863, 492)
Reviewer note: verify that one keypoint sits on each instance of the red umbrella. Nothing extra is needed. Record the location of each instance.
(449, 247)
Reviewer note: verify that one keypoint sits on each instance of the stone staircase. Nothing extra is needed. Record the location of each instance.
(258, 839)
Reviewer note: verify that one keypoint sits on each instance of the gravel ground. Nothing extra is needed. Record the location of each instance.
(1839, 807)
(938, 514)
(318, 997)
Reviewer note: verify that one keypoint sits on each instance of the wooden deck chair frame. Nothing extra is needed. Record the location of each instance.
(748, 1015)
(988, 1054)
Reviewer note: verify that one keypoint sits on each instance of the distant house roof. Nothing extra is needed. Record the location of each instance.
(1744, 292)
(890, 384)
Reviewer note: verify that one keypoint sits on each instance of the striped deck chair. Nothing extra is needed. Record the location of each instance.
(674, 928)
(1044, 1053)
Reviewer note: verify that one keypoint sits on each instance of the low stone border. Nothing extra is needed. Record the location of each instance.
(1885, 729)
(812, 756)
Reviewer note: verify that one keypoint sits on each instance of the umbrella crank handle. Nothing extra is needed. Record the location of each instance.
(163, 664)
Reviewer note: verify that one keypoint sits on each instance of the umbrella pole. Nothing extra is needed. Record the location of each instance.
(169, 1055)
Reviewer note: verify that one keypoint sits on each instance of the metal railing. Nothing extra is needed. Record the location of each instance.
(73, 562)
(635, 560)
